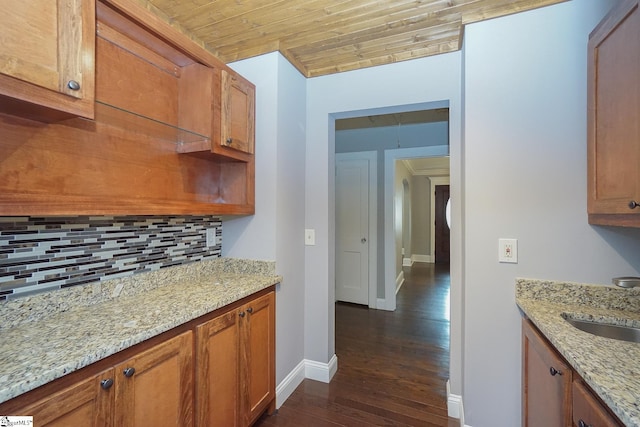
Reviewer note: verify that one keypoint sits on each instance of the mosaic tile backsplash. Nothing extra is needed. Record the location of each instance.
(39, 254)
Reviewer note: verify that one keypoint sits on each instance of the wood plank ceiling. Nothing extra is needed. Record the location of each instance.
(322, 37)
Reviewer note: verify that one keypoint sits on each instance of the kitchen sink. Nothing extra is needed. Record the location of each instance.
(605, 330)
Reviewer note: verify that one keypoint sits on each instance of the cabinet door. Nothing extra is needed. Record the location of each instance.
(47, 56)
(546, 397)
(613, 111)
(237, 113)
(587, 411)
(258, 350)
(217, 361)
(155, 387)
(87, 403)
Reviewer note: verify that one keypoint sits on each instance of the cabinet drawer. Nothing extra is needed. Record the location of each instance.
(587, 410)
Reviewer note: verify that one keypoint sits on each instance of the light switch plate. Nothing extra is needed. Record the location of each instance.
(508, 250)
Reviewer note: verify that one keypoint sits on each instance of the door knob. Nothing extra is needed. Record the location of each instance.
(363, 240)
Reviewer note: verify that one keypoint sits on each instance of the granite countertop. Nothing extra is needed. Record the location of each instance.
(47, 336)
(610, 367)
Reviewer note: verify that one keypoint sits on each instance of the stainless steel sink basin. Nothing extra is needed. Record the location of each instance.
(616, 332)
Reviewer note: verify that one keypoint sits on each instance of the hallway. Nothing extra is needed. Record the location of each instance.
(392, 366)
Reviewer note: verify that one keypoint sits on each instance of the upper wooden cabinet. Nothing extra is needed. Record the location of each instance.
(162, 105)
(613, 112)
(47, 58)
(231, 119)
(237, 113)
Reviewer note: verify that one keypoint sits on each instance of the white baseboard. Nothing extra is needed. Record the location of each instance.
(407, 262)
(399, 281)
(321, 371)
(305, 369)
(381, 303)
(422, 258)
(289, 384)
(454, 406)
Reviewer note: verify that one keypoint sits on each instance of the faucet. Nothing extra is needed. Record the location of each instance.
(626, 282)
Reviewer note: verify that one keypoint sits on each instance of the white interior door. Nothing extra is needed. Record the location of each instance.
(352, 230)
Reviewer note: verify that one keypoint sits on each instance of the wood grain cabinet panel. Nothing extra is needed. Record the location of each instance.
(587, 410)
(235, 365)
(546, 397)
(553, 394)
(613, 111)
(47, 58)
(258, 356)
(217, 366)
(237, 113)
(86, 403)
(155, 387)
(158, 108)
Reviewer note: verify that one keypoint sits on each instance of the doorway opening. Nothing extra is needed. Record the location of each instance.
(374, 245)
(411, 257)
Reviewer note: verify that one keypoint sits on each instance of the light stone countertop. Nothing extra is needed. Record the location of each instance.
(47, 336)
(610, 367)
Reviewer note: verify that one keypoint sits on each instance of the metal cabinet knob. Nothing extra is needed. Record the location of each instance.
(633, 204)
(128, 372)
(242, 314)
(363, 240)
(73, 85)
(581, 423)
(229, 141)
(553, 371)
(106, 384)
(250, 310)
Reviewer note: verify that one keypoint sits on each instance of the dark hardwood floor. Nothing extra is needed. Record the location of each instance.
(392, 366)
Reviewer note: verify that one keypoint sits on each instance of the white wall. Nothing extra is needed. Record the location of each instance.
(421, 217)
(339, 96)
(402, 195)
(275, 232)
(525, 178)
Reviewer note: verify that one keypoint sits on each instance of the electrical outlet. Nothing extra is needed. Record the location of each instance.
(211, 237)
(309, 237)
(508, 250)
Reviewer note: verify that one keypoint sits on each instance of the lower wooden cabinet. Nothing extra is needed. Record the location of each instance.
(587, 410)
(86, 403)
(553, 394)
(152, 383)
(155, 387)
(235, 365)
(546, 397)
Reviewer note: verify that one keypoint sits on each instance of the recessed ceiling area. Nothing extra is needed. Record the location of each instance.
(428, 166)
(395, 119)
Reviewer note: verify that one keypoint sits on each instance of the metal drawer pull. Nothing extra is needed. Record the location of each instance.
(129, 372)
